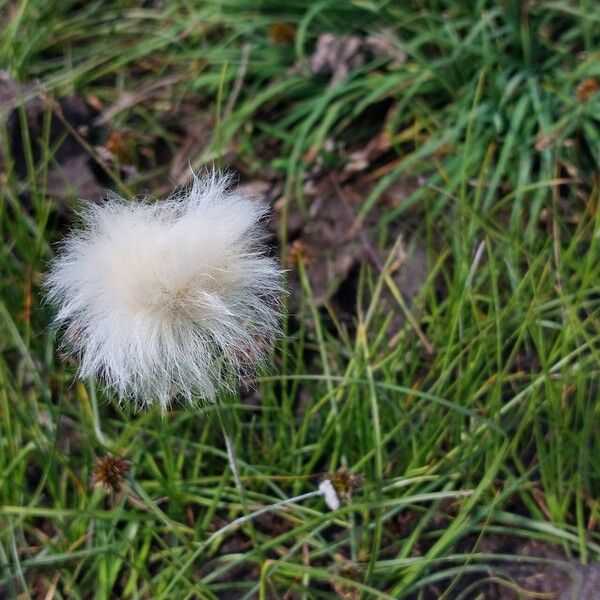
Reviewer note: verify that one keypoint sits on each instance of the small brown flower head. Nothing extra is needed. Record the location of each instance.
(299, 252)
(344, 483)
(118, 144)
(586, 89)
(282, 32)
(347, 570)
(109, 472)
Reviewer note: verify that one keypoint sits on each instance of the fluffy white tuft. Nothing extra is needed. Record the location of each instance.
(330, 495)
(172, 299)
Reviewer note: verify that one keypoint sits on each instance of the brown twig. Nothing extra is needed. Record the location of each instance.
(378, 262)
(57, 111)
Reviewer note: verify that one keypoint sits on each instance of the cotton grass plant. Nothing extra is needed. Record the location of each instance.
(170, 300)
(174, 300)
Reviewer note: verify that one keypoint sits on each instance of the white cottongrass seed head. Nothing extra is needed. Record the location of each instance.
(174, 299)
(329, 494)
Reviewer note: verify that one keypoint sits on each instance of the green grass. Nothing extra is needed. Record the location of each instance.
(493, 433)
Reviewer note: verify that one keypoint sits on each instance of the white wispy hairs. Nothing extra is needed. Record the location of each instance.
(171, 299)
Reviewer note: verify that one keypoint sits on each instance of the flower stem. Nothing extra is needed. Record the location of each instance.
(236, 476)
(233, 464)
(260, 511)
(248, 516)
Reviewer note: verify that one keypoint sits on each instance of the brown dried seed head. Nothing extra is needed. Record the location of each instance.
(282, 32)
(586, 89)
(345, 482)
(348, 570)
(118, 144)
(109, 472)
(299, 252)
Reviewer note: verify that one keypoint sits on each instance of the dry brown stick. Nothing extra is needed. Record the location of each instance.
(377, 261)
(57, 111)
(128, 99)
